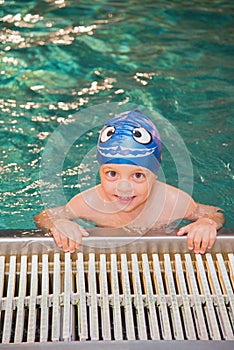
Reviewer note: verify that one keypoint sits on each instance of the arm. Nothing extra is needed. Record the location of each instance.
(58, 223)
(201, 234)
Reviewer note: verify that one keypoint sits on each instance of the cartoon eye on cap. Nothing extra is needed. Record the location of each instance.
(141, 135)
(107, 133)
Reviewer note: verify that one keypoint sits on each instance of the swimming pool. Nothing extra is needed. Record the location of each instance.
(60, 57)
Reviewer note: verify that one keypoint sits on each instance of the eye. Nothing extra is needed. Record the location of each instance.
(107, 133)
(111, 173)
(138, 175)
(141, 135)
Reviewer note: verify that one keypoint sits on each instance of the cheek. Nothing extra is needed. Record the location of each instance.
(143, 189)
(108, 186)
(148, 185)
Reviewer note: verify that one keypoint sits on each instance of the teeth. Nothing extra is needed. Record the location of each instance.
(125, 198)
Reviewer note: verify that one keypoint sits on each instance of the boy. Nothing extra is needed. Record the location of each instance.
(129, 154)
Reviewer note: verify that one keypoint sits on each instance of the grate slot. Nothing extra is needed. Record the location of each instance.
(19, 328)
(9, 301)
(67, 299)
(56, 299)
(153, 321)
(225, 281)
(93, 314)
(104, 299)
(82, 310)
(117, 320)
(209, 307)
(31, 332)
(178, 330)
(231, 266)
(127, 299)
(163, 309)
(138, 298)
(2, 272)
(197, 302)
(187, 315)
(44, 299)
(221, 307)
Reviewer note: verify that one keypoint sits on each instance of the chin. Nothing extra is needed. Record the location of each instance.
(123, 206)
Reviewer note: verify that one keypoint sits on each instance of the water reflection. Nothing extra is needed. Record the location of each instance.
(58, 57)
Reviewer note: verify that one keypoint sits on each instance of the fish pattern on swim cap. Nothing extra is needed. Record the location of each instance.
(130, 138)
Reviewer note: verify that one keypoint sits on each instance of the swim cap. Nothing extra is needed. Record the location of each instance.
(130, 138)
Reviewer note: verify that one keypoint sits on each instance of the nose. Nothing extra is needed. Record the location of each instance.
(124, 186)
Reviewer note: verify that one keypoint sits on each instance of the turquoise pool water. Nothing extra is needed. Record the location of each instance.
(61, 57)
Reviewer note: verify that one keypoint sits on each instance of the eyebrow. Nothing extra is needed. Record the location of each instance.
(139, 170)
(115, 168)
(109, 169)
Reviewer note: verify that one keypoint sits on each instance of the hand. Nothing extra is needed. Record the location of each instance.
(201, 234)
(68, 234)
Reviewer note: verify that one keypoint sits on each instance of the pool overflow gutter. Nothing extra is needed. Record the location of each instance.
(117, 291)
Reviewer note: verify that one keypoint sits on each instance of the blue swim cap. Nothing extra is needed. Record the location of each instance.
(130, 138)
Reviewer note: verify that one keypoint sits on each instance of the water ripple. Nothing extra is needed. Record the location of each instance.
(58, 57)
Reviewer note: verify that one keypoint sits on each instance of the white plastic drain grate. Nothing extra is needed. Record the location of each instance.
(83, 297)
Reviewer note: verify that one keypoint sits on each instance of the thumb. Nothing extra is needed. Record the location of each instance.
(84, 232)
(182, 231)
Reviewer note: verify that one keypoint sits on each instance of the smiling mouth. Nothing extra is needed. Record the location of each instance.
(125, 199)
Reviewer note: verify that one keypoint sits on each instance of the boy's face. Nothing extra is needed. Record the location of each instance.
(128, 186)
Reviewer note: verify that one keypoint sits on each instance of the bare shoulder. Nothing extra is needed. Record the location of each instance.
(177, 203)
(169, 191)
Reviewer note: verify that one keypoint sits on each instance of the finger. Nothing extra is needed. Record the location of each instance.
(182, 231)
(78, 242)
(57, 237)
(64, 242)
(85, 234)
(204, 245)
(197, 241)
(212, 240)
(190, 240)
(78, 245)
(71, 246)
